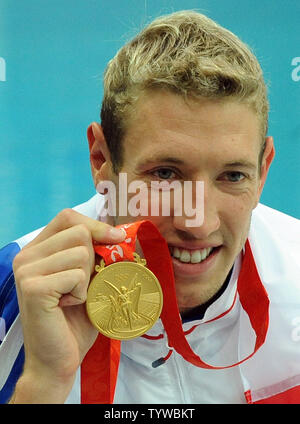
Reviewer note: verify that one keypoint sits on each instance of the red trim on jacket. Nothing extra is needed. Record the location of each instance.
(291, 396)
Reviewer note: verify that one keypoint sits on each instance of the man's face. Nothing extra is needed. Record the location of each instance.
(210, 141)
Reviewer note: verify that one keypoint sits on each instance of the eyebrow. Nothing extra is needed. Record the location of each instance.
(176, 161)
(241, 163)
(161, 159)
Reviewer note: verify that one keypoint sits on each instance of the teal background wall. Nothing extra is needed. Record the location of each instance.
(52, 57)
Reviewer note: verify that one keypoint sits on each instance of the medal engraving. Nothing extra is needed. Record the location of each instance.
(124, 299)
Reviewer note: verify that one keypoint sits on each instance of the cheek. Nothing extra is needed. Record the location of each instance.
(236, 220)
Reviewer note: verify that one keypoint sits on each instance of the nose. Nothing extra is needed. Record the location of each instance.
(209, 213)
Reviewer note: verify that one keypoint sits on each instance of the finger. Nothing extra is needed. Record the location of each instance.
(75, 236)
(76, 257)
(67, 218)
(47, 291)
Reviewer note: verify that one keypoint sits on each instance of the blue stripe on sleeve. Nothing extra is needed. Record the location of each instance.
(8, 297)
(8, 312)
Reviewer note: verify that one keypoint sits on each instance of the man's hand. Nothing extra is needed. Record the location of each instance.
(52, 276)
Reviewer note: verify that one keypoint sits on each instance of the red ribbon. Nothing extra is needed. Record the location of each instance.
(99, 368)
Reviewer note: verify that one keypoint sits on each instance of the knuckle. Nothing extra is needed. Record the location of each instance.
(20, 273)
(17, 262)
(83, 253)
(66, 216)
(81, 276)
(24, 256)
(83, 233)
(28, 287)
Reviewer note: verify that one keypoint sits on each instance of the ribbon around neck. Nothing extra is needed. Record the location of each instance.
(100, 366)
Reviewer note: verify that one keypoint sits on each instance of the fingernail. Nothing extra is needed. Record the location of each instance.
(117, 234)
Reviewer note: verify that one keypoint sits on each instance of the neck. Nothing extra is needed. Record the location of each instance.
(198, 312)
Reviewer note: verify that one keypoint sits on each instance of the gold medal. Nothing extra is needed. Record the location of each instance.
(124, 299)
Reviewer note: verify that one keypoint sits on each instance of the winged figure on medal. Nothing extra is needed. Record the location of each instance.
(121, 309)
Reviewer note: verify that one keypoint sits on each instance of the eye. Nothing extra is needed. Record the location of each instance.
(164, 173)
(233, 176)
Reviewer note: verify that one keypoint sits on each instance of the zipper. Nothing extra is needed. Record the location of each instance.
(178, 371)
(180, 378)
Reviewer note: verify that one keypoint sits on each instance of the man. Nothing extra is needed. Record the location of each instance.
(185, 100)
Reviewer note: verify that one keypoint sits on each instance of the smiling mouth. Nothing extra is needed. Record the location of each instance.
(194, 256)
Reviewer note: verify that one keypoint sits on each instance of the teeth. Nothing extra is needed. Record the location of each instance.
(185, 256)
(176, 252)
(203, 254)
(194, 256)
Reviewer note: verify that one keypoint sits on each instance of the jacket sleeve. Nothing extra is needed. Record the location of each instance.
(11, 342)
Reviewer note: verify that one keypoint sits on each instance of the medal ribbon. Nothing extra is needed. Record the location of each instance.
(100, 366)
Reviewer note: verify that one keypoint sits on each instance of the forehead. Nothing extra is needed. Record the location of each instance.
(165, 122)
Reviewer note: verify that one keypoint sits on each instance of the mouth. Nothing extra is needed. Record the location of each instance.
(192, 256)
(191, 263)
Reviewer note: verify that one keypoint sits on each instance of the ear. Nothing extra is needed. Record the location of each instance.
(99, 153)
(267, 159)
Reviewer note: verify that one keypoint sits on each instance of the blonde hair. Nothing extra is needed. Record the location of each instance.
(186, 53)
